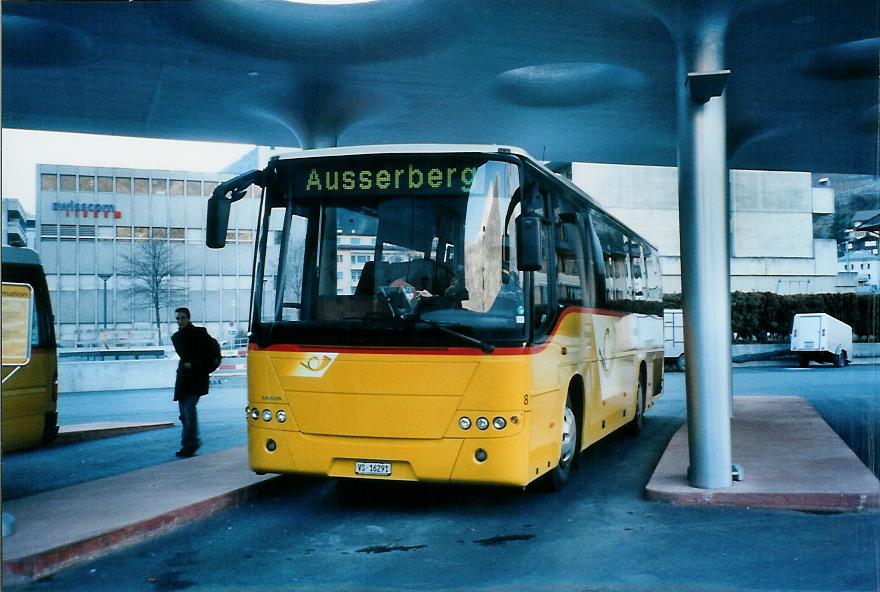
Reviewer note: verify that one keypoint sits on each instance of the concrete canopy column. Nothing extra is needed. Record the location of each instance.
(699, 29)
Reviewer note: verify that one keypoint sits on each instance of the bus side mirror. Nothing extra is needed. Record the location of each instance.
(219, 205)
(528, 242)
(218, 221)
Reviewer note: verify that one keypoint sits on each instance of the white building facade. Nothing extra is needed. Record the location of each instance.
(89, 219)
(864, 265)
(14, 221)
(772, 245)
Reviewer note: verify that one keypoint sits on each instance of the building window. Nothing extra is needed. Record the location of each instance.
(141, 185)
(175, 187)
(123, 185)
(86, 183)
(160, 233)
(245, 236)
(123, 232)
(68, 182)
(48, 181)
(195, 235)
(210, 186)
(68, 231)
(105, 232)
(86, 231)
(193, 187)
(160, 186)
(178, 234)
(49, 230)
(105, 184)
(141, 232)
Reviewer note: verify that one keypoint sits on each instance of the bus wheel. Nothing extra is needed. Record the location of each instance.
(804, 361)
(839, 360)
(679, 363)
(567, 449)
(634, 427)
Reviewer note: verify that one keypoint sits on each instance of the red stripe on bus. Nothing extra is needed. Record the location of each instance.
(435, 351)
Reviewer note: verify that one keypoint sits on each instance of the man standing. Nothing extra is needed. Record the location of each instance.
(192, 378)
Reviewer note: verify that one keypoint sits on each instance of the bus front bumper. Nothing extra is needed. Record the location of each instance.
(498, 460)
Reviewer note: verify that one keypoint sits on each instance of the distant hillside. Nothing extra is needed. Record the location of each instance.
(852, 193)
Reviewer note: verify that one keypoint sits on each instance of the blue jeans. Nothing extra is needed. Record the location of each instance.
(189, 440)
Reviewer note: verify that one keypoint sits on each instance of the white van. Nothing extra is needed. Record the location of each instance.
(673, 338)
(819, 337)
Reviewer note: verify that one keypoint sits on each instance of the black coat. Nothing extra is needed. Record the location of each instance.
(191, 345)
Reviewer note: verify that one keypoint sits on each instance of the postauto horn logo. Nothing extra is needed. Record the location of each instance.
(315, 365)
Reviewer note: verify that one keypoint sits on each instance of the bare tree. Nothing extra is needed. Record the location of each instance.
(152, 267)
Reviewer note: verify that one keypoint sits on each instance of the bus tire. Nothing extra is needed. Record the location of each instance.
(840, 360)
(634, 427)
(804, 361)
(680, 363)
(567, 449)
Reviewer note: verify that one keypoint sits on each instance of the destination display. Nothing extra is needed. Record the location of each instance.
(384, 176)
(16, 320)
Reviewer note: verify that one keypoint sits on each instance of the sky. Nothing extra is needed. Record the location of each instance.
(22, 150)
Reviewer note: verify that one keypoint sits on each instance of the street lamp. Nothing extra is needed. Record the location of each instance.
(105, 277)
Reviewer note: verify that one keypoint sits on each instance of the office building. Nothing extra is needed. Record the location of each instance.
(15, 223)
(91, 222)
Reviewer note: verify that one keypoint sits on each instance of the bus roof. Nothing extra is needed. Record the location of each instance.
(19, 255)
(402, 149)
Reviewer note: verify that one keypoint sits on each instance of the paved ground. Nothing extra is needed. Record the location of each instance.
(598, 534)
(790, 459)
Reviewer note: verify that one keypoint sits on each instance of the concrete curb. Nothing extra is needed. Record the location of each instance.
(82, 432)
(60, 528)
(792, 460)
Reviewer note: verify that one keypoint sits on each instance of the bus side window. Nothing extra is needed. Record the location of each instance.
(35, 326)
(543, 290)
(615, 251)
(653, 280)
(571, 284)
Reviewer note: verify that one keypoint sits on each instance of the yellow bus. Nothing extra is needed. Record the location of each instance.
(440, 313)
(28, 415)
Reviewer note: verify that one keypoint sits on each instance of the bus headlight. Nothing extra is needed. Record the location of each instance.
(267, 415)
(281, 416)
(255, 414)
(482, 423)
(499, 423)
(464, 423)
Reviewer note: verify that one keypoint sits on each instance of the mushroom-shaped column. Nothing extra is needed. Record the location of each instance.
(699, 28)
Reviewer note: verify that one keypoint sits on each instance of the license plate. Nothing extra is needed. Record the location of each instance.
(365, 467)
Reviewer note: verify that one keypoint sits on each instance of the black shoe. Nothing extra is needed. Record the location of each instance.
(185, 453)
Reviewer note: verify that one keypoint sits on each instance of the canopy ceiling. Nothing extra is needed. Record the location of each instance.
(585, 80)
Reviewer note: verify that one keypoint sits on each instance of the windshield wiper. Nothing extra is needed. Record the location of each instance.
(487, 348)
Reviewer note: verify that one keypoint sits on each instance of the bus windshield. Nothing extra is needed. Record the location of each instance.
(390, 250)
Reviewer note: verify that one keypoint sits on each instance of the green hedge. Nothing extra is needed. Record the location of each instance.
(767, 317)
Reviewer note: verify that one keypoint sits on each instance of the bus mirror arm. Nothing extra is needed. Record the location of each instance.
(219, 206)
(528, 242)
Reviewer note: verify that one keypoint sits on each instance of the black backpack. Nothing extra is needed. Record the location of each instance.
(212, 354)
